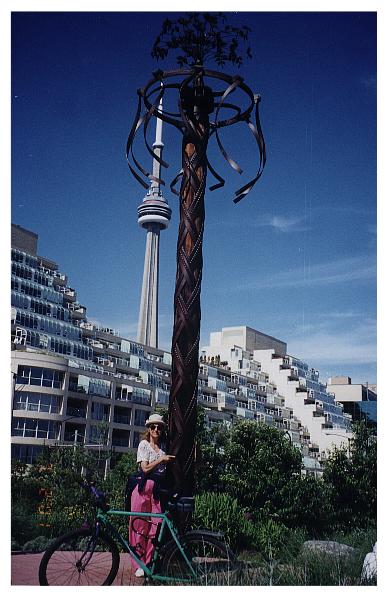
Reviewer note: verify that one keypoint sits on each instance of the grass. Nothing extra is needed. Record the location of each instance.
(289, 566)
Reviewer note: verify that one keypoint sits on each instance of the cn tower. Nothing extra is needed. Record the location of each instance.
(154, 214)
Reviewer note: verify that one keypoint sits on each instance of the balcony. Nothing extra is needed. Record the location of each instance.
(76, 412)
(248, 414)
(207, 399)
(78, 312)
(76, 388)
(60, 279)
(293, 377)
(122, 419)
(69, 293)
(120, 442)
(120, 438)
(310, 401)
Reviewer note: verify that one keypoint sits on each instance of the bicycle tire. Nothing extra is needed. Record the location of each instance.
(212, 560)
(69, 560)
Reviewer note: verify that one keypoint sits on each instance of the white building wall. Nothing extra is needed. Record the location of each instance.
(326, 439)
(346, 392)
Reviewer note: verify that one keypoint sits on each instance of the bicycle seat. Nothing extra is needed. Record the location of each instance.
(185, 504)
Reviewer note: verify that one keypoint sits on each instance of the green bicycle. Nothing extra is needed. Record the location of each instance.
(90, 555)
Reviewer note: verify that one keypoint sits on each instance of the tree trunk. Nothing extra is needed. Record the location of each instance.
(187, 308)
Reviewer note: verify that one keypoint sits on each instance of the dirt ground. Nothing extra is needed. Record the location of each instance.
(24, 571)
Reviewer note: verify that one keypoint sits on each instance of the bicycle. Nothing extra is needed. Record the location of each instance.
(90, 555)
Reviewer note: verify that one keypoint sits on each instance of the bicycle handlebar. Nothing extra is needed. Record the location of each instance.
(98, 497)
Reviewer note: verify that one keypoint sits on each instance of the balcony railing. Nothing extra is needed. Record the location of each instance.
(117, 442)
(122, 419)
(76, 412)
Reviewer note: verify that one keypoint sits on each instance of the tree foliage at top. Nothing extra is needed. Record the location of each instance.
(202, 37)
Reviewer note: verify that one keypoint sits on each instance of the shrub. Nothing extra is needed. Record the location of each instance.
(37, 545)
(222, 513)
(15, 546)
(23, 523)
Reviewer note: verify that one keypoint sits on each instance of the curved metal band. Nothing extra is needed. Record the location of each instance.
(185, 125)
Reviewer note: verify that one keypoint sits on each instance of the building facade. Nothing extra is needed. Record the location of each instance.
(78, 383)
(324, 424)
(358, 399)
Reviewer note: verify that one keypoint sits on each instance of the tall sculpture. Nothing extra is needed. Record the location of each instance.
(198, 36)
(154, 215)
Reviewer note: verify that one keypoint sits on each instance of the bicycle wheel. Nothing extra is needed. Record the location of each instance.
(80, 559)
(211, 560)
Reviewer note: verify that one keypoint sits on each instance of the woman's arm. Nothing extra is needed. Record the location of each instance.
(147, 467)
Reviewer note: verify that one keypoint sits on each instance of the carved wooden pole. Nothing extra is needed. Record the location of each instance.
(187, 307)
(197, 36)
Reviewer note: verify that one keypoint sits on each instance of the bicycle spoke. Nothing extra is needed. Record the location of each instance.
(80, 559)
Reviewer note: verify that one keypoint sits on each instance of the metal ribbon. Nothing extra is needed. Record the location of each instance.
(158, 85)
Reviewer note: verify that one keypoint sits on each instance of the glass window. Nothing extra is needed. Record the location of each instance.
(48, 376)
(140, 417)
(42, 429)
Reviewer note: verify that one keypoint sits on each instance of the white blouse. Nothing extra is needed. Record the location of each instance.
(146, 453)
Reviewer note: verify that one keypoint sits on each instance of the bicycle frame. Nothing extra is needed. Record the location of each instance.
(166, 525)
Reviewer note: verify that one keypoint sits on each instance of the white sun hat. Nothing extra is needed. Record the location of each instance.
(155, 419)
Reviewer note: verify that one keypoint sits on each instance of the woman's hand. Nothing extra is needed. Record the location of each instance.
(168, 458)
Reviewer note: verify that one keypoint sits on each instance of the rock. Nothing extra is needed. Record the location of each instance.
(369, 568)
(329, 547)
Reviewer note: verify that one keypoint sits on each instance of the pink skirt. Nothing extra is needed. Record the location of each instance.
(143, 529)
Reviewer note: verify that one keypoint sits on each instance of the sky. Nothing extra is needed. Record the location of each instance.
(296, 259)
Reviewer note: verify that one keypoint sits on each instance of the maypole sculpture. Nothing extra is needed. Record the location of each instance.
(199, 36)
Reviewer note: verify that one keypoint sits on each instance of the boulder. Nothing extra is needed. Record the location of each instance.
(329, 547)
(369, 568)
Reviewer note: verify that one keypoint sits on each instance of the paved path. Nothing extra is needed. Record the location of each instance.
(24, 571)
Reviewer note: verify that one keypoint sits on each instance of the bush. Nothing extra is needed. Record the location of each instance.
(222, 513)
(37, 545)
(360, 538)
(15, 546)
(24, 524)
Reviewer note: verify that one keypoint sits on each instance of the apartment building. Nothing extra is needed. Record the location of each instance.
(323, 422)
(358, 399)
(76, 382)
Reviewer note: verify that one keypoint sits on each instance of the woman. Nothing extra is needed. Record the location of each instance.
(152, 462)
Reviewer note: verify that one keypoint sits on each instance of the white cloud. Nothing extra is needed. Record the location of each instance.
(342, 271)
(282, 223)
(355, 346)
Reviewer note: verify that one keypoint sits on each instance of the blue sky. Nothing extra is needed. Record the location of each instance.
(296, 259)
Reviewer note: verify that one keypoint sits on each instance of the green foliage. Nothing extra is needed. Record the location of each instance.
(260, 464)
(202, 36)
(25, 498)
(249, 487)
(37, 545)
(115, 483)
(270, 538)
(360, 538)
(222, 513)
(351, 480)
(324, 569)
(54, 484)
(306, 505)
(210, 460)
(24, 522)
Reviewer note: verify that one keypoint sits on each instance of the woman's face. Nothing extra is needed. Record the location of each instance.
(155, 431)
